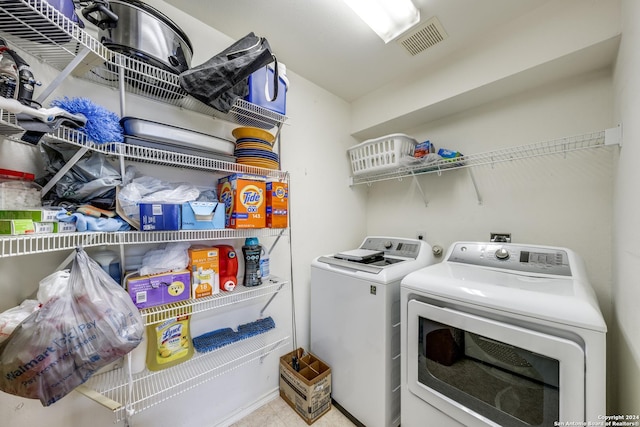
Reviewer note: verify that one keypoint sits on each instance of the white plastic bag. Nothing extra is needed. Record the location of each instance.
(175, 256)
(11, 318)
(53, 285)
(57, 348)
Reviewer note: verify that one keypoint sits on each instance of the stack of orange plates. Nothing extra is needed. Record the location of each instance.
(254, 148)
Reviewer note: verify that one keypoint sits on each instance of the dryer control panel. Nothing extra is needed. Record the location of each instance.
(522, 258)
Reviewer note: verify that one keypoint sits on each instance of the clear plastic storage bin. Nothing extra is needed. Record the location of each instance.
(19, 195)
(380, 154)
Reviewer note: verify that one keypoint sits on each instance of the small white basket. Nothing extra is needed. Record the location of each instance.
(380, 154)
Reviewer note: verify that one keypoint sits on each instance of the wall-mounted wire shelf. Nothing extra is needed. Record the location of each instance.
(64, 135)
(241, 293)
(42, 243)
(147, 388)
(37, 28)
(556, 146)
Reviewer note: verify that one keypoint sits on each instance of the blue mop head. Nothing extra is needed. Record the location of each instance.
(102, 125)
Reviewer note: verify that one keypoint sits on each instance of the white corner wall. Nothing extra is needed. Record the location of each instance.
(626, 227)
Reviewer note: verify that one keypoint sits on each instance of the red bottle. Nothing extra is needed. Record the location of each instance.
(228, 267)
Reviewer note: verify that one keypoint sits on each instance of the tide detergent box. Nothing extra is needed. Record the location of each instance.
(244, 198)
(205, 271)
(277, 204)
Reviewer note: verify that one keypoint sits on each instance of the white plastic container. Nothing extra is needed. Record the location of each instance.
(380, 154)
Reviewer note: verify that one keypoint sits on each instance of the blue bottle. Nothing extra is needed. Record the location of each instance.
(251, 251)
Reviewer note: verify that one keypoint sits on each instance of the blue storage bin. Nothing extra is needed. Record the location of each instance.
(261, 81)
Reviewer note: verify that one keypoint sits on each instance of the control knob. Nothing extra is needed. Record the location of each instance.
(387, 244)
(502, 254)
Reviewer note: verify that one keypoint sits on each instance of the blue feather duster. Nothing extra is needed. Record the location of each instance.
(102, 125)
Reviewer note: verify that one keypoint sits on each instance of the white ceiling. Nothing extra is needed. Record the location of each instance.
(326, 43)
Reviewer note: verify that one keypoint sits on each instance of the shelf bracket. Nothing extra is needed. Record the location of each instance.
(274, 346)
(79, 58)
(613, 136)
(475, 186)
(275, 242)
(271, 299)
(72, 161)
(424, 197)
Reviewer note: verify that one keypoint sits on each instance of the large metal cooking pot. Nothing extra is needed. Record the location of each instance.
(141, 32)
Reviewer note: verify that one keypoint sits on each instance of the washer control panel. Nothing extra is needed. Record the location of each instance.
(508, 256)
(407, 248)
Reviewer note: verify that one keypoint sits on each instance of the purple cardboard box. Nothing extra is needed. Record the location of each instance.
(158, 289)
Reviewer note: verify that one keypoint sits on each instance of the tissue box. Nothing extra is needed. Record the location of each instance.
(158, 289)
(159, 216)
(202, 215)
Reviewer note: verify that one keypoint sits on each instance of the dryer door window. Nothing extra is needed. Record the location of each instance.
(492, 373)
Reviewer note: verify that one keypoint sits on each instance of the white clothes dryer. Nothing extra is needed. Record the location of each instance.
(502, 335)
(355, 323)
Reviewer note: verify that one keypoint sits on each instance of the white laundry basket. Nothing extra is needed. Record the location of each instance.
(380, 154)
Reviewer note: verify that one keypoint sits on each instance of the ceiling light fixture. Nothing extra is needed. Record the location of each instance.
(388, 18)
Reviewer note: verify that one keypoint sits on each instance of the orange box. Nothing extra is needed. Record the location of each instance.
(244, 198)
(277, 204)
(204, 265)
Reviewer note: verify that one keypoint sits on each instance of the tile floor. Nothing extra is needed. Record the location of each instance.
(278, 413)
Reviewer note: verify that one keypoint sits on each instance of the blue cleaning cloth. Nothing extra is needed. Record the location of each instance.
(90, 223)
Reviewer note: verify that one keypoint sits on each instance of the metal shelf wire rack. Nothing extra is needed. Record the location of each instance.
(147, 388)
(241, 293)
(42, 243)
(545, 148)
(37, 28)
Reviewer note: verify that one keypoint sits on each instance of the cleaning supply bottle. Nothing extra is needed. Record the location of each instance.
(110, 262)
(169, 343)
(264, 263)
(251, 251)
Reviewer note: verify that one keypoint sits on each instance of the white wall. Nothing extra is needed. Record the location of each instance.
(325, 216)
(626, 256)
(484, 98)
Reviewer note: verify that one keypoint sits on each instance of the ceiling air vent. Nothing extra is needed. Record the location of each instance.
(425, 36)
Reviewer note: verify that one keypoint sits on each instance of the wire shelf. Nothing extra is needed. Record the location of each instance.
(65, 135)
(43, 243)
(38, 29)
(241, 293)
(556, 146)
(150, 388)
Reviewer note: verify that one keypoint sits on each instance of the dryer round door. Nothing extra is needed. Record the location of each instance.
(482, 372)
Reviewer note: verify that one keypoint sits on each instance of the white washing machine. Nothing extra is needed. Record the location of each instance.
(502, 334)
(355, 323)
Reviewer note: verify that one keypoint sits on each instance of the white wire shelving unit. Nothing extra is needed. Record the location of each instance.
(127, 396)
(38, 29)
(160, 313)
(35, 27)
(593, 140)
